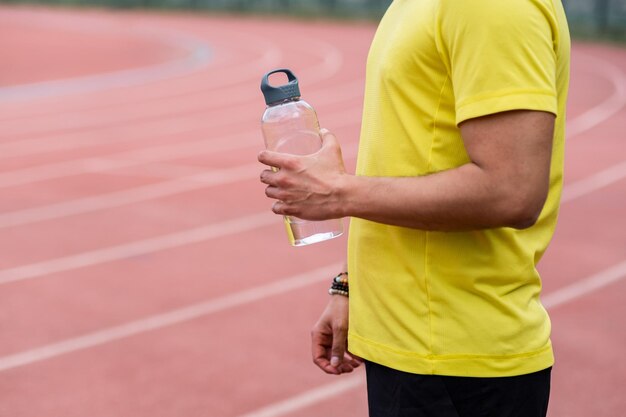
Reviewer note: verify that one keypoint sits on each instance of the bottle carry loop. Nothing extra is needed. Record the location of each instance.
(280, 93)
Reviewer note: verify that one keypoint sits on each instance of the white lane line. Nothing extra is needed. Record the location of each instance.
(130, 196)
(169, 318)
(311, 397)
(585, 286)
(127, 159)
(607, 108)
(133, 133)
(138, 247)
(327, 391)
(161, 170)
(332, 62)
(594, 182)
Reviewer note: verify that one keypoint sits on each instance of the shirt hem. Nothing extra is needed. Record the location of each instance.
(452, 365)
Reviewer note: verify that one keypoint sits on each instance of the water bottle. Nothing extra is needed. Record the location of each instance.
(290, 125)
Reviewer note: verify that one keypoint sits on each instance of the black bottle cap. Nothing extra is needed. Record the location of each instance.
(280, 93)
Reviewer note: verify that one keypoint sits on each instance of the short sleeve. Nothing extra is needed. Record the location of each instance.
(500, 55)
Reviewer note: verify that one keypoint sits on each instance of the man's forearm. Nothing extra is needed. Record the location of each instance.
(464, 198)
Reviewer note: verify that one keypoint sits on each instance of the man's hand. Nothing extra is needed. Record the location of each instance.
(329, 339)
(306, 186)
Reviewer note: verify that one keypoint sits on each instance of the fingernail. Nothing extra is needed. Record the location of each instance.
(334, 361)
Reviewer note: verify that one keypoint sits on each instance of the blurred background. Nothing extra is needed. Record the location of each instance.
(141, 270)
(587, 17)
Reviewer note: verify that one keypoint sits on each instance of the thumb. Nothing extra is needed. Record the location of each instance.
(330, 144)
(338, 348)
(328, 139)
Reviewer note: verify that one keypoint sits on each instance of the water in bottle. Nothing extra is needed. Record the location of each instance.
(290, 125)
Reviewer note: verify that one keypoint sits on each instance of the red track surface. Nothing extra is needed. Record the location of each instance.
(142, 272)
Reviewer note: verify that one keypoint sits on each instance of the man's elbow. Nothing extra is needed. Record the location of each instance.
(524, 209)
(525, 221)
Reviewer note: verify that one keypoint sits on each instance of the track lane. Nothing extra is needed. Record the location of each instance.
(157, 392)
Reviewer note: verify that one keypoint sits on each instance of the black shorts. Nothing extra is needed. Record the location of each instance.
(393, 393)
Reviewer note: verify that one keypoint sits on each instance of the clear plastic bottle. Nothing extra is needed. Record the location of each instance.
(290, 125)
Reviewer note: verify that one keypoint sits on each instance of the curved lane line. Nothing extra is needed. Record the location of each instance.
(595, 181)
(608, 107)
(197, 57)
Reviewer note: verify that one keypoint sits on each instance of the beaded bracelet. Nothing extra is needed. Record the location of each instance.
(341, 278)
(332, 291)
(339, 285)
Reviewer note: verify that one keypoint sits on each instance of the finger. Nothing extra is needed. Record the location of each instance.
(320, 352)
(272, 192)
(324, 364)
(348, 364)
(280, 207)
(339, 344)
(355, 357)
(327, 367)
(331, 146)
(275, 159)
(353, 362)
(268, 177)
(346, 368)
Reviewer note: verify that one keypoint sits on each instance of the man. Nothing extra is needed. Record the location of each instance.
(455, 200)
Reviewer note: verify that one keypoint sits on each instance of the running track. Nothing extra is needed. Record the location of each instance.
(142, 273)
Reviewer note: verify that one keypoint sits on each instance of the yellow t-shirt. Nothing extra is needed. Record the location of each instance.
(461, 303)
